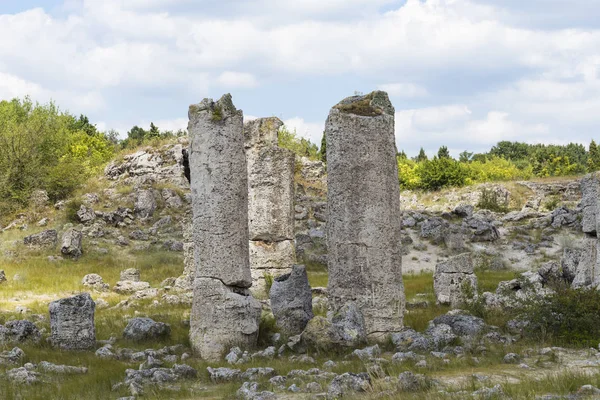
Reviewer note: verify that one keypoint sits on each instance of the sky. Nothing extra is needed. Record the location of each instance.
(460, 73)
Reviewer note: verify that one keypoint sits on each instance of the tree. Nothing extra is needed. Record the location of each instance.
(402, 155)
(443, 152)
(593, 161)
(83, 124)
(323, 149)
(154, 132)
(465, 156)
(422, 156)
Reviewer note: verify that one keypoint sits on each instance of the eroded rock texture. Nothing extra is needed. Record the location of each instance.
(270, 201)
(223, 311)
(587, 262)
(364, 219)
(291, 301)
(72, 323)
(453, 279)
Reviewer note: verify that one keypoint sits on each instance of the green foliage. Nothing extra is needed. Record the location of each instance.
(439, 173)
(490, 200)
(593, 161)
(42, 147)
(497, 169)
(567, 317)
(71, 208)
(465, 156)
(323, 149)
(443, 152)
(268, 282)
(422, 156)
(300, 146)
(139, 136)
(408, 174)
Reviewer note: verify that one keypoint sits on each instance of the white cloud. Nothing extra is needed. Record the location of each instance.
(312, 131)
(457, 67)
(230, 79)
(404, 90)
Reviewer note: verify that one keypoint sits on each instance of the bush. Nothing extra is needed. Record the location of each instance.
(567, 317)
(439, 173)
(300, 146)
(71, 209)
(490, 200)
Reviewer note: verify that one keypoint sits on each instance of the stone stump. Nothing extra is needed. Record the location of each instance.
(453, 279)
(291, 301)
(71, 244)
(270, 201)
(364, 218)
(224, 313)
(72, 323)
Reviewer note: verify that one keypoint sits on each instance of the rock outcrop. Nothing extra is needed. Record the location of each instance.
(270, 201)
(364, 218)
(72, 323)
(224, 313)
(71, 244)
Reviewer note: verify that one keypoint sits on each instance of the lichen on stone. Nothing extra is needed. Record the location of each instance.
(370, 105)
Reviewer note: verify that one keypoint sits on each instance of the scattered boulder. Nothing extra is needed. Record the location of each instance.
(95, 282)
(141, 329)
(145, 204)
(72, 323)
(453, 279)
(86, 215)
(45, 238)
(2, 276)
(349, 384)
(291, 301)
(71, 243)
(131, 274)
(19, 331)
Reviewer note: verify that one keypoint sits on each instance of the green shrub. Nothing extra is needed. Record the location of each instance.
(71, 209)
(300, 146)
(567, 317)
(490, 200)
(439, 173)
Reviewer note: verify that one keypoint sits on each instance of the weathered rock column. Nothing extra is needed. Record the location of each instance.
(223, 311)
(587, 273)
(451, 278)
(270, 201)
(363, 226)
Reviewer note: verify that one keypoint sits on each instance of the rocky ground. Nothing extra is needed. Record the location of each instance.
(125, 239)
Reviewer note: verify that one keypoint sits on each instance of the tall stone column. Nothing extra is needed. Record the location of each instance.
(363, 225)
(223, 311)
(271, 201)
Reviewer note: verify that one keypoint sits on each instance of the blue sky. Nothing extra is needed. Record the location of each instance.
(461, 73)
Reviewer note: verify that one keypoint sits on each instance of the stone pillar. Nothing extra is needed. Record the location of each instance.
(587, 274)
(363, 225)
(224, 313)
(270, 201)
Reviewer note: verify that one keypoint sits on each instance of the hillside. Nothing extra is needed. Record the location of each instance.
(134, 258)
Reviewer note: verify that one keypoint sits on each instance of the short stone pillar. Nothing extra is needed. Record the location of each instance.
(224, 313)
(72, 323)
(270, 201)
(454, 279)
(291, 301)
(364, 218)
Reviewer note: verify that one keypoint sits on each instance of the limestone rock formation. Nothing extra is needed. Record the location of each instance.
(45, 238)
(223, 311)
(270, 201)
(71, 243)
(586, 261)
(139, 329)
(72, 323)
(364, 218)
(451, 279)
(291, 301)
